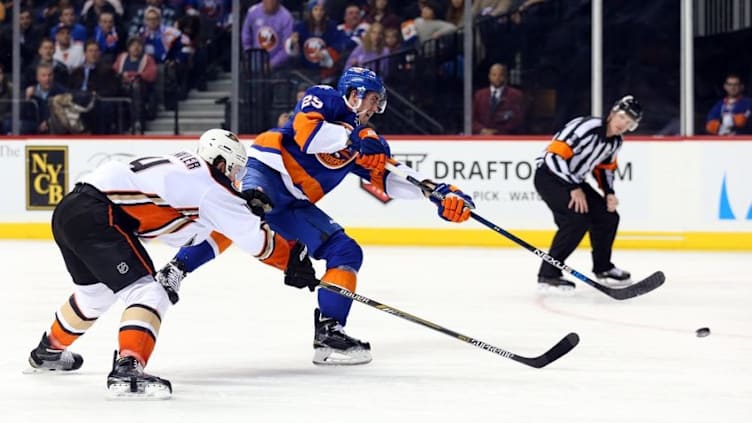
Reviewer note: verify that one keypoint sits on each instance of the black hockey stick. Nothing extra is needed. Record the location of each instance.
(562, 347)
(642, 287)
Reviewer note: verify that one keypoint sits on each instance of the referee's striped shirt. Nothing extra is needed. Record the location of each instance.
(581, 148)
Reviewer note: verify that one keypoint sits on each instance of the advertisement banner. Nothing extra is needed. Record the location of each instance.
(46, 176)
(671, 191)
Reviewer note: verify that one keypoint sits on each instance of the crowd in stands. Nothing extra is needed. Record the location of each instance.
(109, 58)
(131, 59)
(113, 58)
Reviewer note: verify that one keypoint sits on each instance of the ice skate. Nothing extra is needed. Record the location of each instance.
(332, 347)
(555, 284)
(127, 380)
(615, 277)
(45, 357)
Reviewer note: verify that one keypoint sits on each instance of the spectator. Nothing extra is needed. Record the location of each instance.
(138, 74)
(498, 108)
(98, 79)
(426, 27)
(93, 10)
(45, 54)
(730, 115)
(68, 19)
(266, 26)
(337, 7)
(135, 64)
(393, 40)
(194, 54)
(379, 11)
(216, 33)
(6, 104)
(66, 51)
(353, 25)
(30, 37)
(491, 7)
(165, 44)
(455, 14)
(372, 48)
(167, 16)
(106, 35)
(34, 119)
(49, 16)
(317, 42)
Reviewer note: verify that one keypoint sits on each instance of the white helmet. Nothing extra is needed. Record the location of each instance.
(218, 143)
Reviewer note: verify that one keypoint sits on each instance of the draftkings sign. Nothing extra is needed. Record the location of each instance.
(46, 176)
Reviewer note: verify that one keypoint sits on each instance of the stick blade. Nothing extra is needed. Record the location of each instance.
(561, 348)
(642, 287)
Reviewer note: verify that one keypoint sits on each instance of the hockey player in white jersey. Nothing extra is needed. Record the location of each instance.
(180, 199)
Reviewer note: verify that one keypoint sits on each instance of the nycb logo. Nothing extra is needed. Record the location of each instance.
(725, 212)
(46, 176)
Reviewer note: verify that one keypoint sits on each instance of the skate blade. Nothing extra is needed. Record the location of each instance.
(564, 291)
(40, 370)
(31, 370)
(334, 357)
(143, 391)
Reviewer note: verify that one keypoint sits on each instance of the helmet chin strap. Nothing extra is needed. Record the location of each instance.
(354, 108)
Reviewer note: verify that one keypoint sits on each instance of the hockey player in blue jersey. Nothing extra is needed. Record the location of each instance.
(324, 140)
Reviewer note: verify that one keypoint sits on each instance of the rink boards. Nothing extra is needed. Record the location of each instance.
(674, 193)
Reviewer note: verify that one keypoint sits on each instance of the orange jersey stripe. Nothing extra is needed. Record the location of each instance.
(60, 337)
(305, 124)
(221, 241)
(151, 216)
(136, 341)
(270, 140)
(144, 263)
(608, 166)
(310, 186)
(561, 148)
(343, 278)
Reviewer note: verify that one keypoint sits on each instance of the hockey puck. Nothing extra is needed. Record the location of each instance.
(702, 332)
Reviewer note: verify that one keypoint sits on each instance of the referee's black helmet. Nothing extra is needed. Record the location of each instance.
(631, 107)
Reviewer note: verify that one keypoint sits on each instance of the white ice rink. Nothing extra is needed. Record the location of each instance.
(237, 347)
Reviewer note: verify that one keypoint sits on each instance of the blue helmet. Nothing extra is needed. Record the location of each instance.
(362, 80)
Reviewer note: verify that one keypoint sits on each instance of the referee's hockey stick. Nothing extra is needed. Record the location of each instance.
(562, 347)
(642, 287)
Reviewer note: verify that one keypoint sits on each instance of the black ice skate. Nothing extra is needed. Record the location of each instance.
(128, 380)
(47, 357)
(615, 277)
(333, 347)
(557, 283)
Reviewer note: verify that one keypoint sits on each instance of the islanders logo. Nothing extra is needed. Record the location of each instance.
(267, 38)
(312, 48)
(336, 160)
(725, 209)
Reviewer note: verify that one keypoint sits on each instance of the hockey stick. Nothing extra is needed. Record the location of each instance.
(562, 347)
(642, 287)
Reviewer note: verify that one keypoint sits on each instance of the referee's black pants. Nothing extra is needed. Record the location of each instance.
(601, 223)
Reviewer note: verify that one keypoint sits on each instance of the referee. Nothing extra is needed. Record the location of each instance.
(585, 145)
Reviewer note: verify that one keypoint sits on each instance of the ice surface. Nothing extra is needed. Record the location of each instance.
(237, 347)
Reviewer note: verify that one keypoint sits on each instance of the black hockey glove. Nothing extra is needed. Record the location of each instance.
(258, 202)
(300, 272)
(170, 278)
